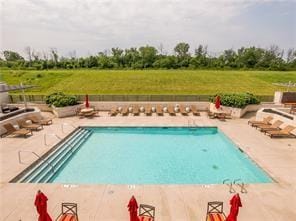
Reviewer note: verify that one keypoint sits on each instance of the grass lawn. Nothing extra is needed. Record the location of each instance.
(149, 81)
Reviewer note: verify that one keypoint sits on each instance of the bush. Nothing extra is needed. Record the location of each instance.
(236, 100)
(59, 99)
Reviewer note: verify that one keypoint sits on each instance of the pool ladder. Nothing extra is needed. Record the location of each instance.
(230, 183)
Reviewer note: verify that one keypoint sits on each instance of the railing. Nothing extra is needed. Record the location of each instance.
(32, 152)
(67, 124)
(241, 185)
(45, 138)
(231, 189)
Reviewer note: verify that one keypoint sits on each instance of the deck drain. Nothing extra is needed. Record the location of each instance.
(110, 192)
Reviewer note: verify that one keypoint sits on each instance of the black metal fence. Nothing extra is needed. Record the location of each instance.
(131, 98)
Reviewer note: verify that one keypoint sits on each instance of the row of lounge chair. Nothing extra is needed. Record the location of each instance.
(149, 109)
(273, 128)
(25, 129)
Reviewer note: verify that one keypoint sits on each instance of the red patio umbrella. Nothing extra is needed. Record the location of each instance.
(235, 203)
(41, 206)
(218, 102)
(133, 209)
(86, 101)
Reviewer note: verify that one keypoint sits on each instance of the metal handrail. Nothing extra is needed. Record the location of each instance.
(69, 124)
(45, 161)
(231, 189)
(241, 185)
(45, 136)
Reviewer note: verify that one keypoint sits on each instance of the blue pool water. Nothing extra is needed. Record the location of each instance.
(158, 156)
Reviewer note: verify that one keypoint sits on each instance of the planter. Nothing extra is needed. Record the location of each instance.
(66, 111)
(236, 112)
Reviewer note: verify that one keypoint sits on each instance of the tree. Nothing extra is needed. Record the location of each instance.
(182, 49)
(148, 56)
(54, 56)
(117, 55)
(12, 56)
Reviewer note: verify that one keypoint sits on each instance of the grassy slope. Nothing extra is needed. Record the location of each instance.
(149, 81)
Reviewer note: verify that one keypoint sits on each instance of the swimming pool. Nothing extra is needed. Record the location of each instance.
(133, 155)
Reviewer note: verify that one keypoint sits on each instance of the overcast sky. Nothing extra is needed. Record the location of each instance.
(90, 26)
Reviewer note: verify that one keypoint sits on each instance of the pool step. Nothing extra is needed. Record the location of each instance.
(42, 170)
(67, 152)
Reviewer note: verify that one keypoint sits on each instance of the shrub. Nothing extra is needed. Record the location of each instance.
(59, 99)
(236, 100)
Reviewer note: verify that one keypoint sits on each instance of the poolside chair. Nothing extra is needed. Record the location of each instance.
(211, 115)
(146, 213)
(159, 110)
(22, 123)
(183, 110)
(148, 110)
(215, 211)
(113, 112)
(124, 111)
(42, 121)
(285, 132)
(275, 126)
(265, 121)
(10, 130)
(136, 110)
(194, 110)
(69, 212)
(171, 111)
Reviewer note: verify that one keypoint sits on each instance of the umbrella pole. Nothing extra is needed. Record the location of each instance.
(24, 97)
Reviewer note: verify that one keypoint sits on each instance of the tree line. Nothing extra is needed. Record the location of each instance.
(147, 57)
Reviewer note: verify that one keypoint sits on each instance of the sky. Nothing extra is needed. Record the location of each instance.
(90, 26)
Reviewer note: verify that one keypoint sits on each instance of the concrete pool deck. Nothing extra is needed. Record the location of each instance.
(273, 201)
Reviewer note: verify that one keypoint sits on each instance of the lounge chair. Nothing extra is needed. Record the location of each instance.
(275, 126)
(159, 110)
(183, 110)
(146, 213)
(42, 121)
(69, 212)
(24, 124)
(194, 110)
(215, 211)
(285, 132)
(171, 111)
(113, 112)
(10, 130)
(124, 111)
(265, 121)
(148, 110)
(136, 111)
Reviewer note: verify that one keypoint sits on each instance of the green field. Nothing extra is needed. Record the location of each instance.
(148, 81)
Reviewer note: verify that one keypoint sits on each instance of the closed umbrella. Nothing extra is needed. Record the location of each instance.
(86, 101)
(235, 203)
(41, 206)
(133, 209)
(218, 102)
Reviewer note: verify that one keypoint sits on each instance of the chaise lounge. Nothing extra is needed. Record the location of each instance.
(148, 110)
(183, 110)
(43, 121)
(285, 132)
(275, 126)
(10, 130)
(159, 110)
(194, 110)
(113, 112)
(265, 121)
(24, 124)
(171, 111)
